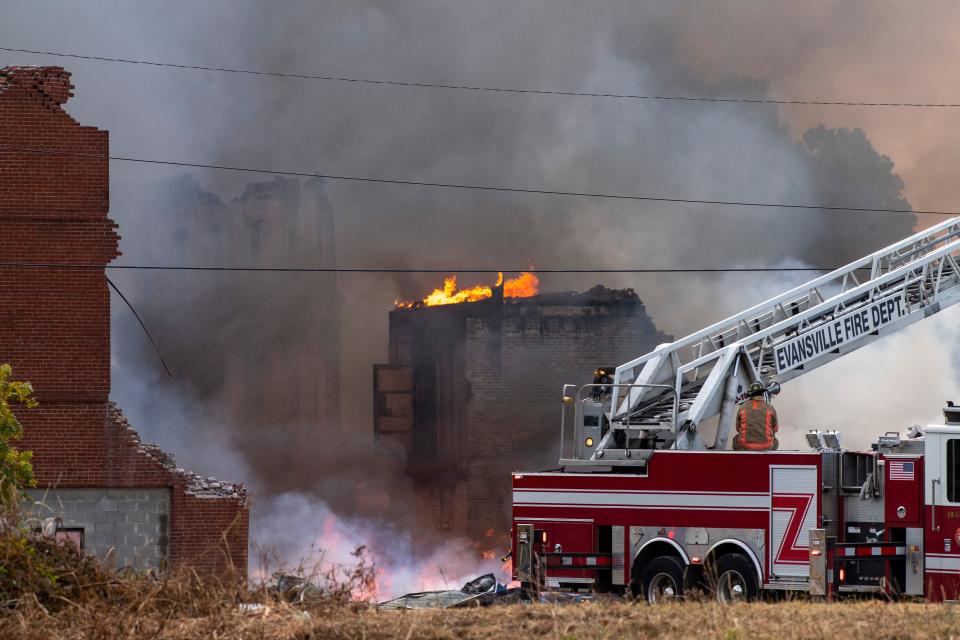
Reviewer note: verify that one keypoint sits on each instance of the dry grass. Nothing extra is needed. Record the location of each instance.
(48, 591)
(694, 620)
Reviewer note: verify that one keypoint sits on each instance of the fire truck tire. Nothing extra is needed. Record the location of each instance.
(661, 580)
(736, 579)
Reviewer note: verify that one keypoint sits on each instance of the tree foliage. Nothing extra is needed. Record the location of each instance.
(16, 472)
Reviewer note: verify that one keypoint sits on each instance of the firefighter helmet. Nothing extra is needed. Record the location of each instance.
(756, 389)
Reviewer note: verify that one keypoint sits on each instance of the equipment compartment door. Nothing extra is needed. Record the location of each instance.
(793, 512)
(942, 496)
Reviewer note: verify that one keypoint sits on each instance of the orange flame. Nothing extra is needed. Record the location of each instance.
(523, 286)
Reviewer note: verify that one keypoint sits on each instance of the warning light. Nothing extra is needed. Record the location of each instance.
(696, 560)
(671, 534)
(843, 574)
(588, 442)
(816, 552)
(543, 537)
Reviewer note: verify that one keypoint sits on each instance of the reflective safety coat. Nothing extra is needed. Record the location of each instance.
(756, 426)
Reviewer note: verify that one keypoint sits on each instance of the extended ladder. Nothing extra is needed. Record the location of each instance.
(787, 336)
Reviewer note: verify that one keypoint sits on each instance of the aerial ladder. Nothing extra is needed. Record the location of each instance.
(660, 400)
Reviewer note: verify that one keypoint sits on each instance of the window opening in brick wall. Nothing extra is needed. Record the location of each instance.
(72, 535)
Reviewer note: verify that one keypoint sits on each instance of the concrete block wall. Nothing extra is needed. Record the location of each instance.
(129, 526)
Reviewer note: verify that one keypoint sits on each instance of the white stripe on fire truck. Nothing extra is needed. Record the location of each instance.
(943, 562)
(652, 500)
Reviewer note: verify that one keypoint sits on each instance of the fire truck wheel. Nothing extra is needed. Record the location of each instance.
(736, 579)
(662, 580)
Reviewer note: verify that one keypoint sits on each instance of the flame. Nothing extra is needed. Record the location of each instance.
(523, 286)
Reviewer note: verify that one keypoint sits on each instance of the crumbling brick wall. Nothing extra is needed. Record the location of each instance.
(55, 319)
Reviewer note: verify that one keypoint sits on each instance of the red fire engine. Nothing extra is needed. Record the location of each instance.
(648, 499)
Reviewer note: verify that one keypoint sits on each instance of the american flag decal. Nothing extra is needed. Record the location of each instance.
(901, 470)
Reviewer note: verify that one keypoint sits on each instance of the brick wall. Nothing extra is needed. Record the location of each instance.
(55, 319)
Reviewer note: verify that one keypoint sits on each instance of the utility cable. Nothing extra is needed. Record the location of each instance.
(141, 267)
(463, 87)
(142, 326)
(474, 187)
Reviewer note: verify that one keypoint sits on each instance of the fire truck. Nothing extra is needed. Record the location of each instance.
(648, 500)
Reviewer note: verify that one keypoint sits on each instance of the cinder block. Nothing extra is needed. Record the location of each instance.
(106, 540)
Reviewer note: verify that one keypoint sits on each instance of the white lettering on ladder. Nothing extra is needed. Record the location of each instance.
(841, 330)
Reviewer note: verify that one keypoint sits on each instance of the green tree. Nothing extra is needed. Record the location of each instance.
(16, 472)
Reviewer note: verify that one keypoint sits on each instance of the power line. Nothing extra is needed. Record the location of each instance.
(462, 87)
(141, 267)
(473, 187)
(142, 326)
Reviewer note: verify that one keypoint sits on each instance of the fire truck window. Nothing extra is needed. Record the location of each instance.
(953, 470)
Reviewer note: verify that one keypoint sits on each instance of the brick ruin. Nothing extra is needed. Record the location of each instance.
(275, 365)
(472, 391)
(114, 494)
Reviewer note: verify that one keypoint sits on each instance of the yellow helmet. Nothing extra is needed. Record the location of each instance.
(756, 389)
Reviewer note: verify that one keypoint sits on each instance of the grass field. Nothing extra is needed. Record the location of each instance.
(863, 620)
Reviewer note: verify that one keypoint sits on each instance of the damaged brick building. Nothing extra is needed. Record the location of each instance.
(114, 494)
(472, 391)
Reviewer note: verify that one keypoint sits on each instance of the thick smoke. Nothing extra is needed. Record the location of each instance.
(737, 152)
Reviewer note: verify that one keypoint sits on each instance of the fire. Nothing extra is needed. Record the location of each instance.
(523, 286)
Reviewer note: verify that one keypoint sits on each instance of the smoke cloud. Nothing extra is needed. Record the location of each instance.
(303, 476)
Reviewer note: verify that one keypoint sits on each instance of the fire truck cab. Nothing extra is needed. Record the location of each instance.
(649, 500)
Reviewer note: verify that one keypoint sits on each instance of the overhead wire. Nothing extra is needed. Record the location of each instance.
(465, 87)
(143, 326)
(142, 267)
(475, 187)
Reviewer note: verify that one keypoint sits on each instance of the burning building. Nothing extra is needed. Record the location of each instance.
(472, 390)
(109, 492)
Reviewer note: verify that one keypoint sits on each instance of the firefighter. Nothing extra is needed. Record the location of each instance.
(756, 422)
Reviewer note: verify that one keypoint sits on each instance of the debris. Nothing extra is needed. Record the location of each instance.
(295, 589)
(563, 597)
(254, 608)
(479, 592)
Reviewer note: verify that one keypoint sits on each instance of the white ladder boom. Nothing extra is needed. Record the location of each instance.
(789, 335)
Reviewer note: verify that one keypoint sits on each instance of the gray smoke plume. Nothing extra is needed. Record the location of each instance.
(716, 151)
